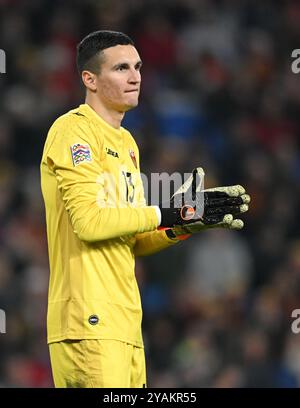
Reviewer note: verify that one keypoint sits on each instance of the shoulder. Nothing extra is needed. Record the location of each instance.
(70, 128)
(72, 119)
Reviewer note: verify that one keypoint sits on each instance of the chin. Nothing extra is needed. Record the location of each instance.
(130, 105)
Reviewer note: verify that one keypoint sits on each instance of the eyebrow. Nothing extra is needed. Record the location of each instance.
(126, 64)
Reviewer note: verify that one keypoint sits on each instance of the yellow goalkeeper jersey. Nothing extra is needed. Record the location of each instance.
(97, 222)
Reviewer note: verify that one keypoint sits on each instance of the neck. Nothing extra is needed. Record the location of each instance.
(112, 117)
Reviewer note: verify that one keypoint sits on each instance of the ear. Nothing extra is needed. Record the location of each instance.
(89, 80)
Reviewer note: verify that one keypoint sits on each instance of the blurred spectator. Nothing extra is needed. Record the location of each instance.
(219, 266)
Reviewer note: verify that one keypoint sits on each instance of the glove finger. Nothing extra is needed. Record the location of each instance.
(227, 219)
(232, 191)
(237, 224)
(213, 219)
(223, 201)
(244, 208)
(226, 222)
(246, 198)
(237, 209)
(233, 209)
(214, 194)
(217, 219)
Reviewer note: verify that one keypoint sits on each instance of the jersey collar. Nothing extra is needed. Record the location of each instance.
(89, 112)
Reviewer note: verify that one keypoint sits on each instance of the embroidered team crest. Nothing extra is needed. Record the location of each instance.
(80, 153)
(132, 155)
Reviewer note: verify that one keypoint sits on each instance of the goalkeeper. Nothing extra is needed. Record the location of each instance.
(94, 307)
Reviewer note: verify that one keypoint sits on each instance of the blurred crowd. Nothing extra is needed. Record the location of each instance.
(218, 91)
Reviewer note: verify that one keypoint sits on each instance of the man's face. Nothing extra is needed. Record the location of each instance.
(118, 84)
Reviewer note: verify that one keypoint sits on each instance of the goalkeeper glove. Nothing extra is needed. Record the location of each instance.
(232, 200)
(193, 209)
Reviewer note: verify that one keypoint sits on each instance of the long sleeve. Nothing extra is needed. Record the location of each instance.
(84, 193)
(149, 243)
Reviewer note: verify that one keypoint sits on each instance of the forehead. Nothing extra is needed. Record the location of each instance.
(121, 54)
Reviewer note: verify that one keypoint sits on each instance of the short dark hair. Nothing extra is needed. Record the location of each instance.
(90, 48)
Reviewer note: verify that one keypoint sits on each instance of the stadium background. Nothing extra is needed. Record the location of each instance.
(218, 91)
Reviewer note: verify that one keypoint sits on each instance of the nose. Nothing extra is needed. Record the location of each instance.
(135, 77)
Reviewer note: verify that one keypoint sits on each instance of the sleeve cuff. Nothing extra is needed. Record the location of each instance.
(157, 209)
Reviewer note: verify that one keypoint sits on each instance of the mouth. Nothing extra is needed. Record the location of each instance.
(133, 90)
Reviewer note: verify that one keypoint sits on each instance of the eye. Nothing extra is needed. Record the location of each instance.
(121, 68)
